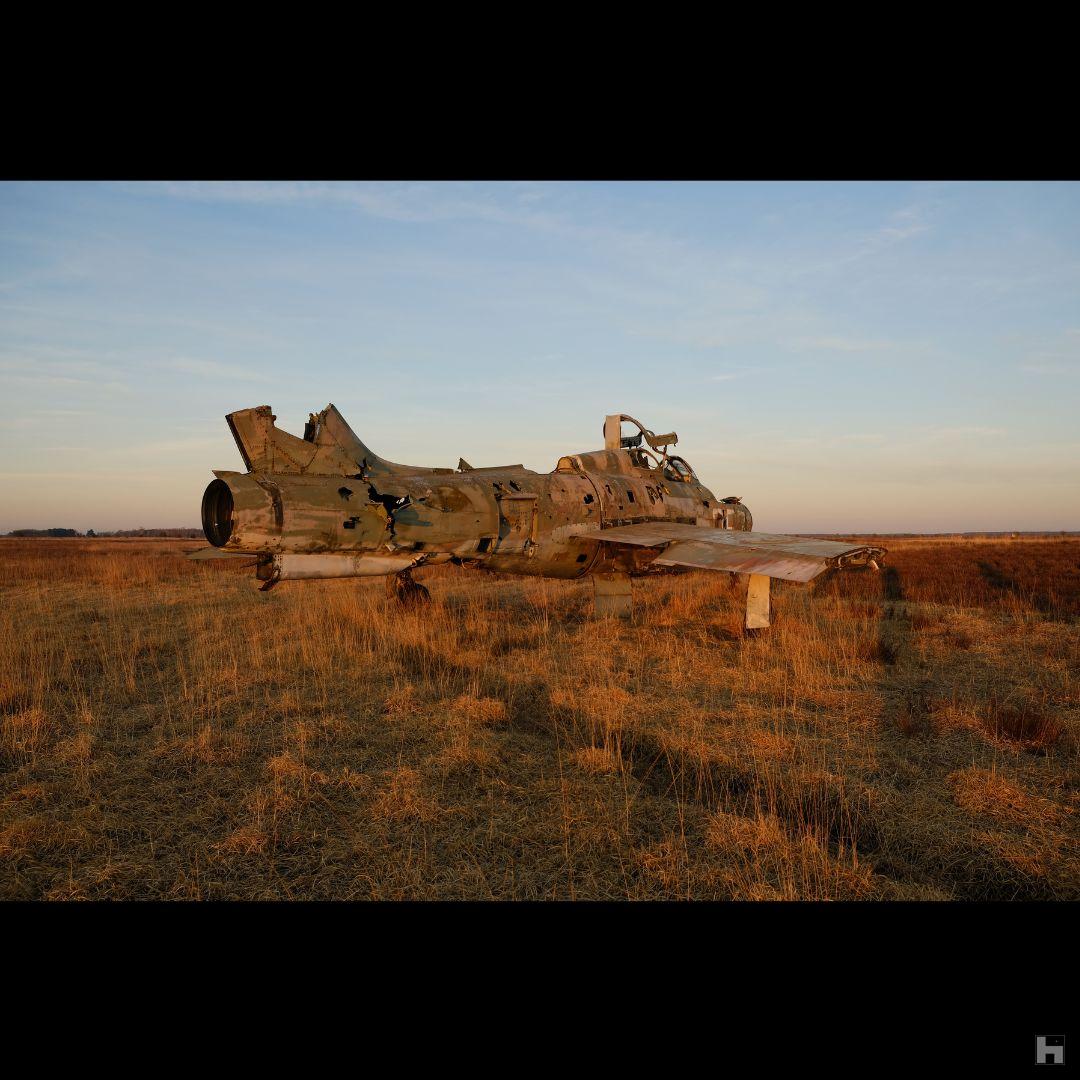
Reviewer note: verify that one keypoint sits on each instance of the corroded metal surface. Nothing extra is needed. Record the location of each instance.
(330, 566)
(326, 505)
(793, 558)
(736, 560)
(329, 446)
(650, 536)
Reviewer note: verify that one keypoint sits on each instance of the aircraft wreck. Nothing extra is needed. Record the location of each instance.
(325, 505)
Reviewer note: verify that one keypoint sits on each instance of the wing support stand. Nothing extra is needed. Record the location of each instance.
(757, 602)
(613, 596)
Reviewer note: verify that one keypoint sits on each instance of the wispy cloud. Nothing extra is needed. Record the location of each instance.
(47, 382)
(539, 207)
(210, 369)
(905, 223)
(965, 431)
(1060, 356)
(396, 201)
(837, 343)
(175, 446)
(1050, 368)
(68, 364)
(902, 225)
(34, 419)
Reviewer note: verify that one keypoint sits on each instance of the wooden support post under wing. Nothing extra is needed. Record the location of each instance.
(757, 601)
(612, 595)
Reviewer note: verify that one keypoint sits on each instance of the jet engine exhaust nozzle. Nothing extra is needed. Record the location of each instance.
(217, 510)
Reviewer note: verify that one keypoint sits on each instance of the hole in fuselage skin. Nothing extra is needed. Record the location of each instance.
(344, 492)
(582, 558)
(588, 499)
(390, 502)
(630, 496)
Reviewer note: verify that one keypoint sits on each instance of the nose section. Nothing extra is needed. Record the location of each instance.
(736, 516)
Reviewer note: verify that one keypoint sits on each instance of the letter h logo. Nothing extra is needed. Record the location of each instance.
(1050, 1049)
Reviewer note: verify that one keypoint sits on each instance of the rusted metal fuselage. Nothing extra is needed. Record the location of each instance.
(328, 506)
(507, 519)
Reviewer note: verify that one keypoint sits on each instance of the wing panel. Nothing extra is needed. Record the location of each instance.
(201, 554)
(791, 567)
(794, 558)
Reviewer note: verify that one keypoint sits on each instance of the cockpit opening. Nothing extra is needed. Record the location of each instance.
(643, 459)
(676, 469)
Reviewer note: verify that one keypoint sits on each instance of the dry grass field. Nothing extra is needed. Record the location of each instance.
(169, 732)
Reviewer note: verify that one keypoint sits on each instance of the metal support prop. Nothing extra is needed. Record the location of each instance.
(757, 602)
(613, 596)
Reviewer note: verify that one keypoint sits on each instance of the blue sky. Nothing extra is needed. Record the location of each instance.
(846, 357)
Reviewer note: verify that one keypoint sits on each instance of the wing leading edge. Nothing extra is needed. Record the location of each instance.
(793, 558)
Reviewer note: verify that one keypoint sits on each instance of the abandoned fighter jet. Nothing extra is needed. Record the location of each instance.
(326, 506)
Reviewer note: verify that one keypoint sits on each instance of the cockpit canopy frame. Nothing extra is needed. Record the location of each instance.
(674, 468)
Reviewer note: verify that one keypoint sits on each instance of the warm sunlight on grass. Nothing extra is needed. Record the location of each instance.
(166, 730)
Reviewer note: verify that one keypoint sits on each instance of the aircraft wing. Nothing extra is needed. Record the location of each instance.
(201, 554)
(793, 558)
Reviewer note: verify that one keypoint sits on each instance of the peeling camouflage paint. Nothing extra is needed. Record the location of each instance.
(330, 498)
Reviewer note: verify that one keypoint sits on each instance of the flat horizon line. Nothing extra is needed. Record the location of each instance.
(111, 533)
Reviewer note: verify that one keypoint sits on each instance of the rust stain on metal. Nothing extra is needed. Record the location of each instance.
(326, 505)
(793, 558)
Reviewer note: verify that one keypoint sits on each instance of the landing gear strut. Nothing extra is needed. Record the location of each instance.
(408, 592)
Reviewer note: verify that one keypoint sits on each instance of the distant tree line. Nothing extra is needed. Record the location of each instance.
(44, 532)
(182, 533)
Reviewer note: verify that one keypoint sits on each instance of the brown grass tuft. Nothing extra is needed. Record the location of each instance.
(597, 760)
(402, 798)
(1024, 723)
(984, 792)
(479, 711)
